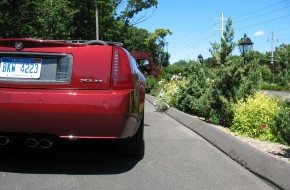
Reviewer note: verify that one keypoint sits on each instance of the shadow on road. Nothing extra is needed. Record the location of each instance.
(285, 154)
(73, 158)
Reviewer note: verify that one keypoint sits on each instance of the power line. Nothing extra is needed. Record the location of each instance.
(262, 14)
(283, 39)
(263, 22)
(182, 44)
(260, 45)
(189, 44)
(272, 5)
(193, 44)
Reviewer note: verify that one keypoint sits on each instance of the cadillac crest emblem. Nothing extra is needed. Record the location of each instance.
(18, 46)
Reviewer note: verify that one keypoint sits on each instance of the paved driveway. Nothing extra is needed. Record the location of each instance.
(175, 158)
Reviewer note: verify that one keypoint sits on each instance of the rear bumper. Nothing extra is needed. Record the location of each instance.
(69, 113)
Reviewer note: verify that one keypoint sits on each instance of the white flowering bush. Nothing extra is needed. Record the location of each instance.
(169, 92)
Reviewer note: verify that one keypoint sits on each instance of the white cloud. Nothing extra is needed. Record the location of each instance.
(259, 33)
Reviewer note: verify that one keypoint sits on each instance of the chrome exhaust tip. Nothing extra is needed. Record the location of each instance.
(46, 143)
(4, 140)
(31, 143)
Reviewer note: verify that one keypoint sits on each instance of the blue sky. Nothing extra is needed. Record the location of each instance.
(194, 24)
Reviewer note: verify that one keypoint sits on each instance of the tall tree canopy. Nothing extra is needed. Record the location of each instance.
(71, 19)
(76, 20)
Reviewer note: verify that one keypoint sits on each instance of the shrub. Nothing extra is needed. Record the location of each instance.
(151, 83)
(267, 86)
(262, 117)
(190, 99)
(282, 121)
(175, 70)
(169, 92)
(266, 73)
(233, 81)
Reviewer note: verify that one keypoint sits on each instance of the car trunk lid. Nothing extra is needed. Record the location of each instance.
(30, 63)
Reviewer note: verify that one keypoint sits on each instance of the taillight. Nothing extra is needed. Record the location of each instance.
(121, 70)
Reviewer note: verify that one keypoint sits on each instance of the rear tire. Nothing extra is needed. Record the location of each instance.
(133, 146)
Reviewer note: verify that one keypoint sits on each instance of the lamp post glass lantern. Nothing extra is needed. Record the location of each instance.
(200, 58)
(245, 45)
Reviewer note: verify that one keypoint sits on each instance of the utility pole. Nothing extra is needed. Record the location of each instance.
(222, 20)
(272, 57)
(97, 21)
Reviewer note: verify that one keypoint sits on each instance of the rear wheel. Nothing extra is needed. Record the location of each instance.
(133, 146)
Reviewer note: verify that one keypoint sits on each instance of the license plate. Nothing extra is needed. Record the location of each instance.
(11, 67)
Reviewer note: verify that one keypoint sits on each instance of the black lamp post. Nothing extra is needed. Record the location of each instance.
(200, 58)
(245, 45)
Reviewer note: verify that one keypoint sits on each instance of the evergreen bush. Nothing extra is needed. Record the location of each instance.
(192, 95)
(282, 123)
(266, 73)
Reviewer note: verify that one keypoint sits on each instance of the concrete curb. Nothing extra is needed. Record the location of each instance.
(273, 170)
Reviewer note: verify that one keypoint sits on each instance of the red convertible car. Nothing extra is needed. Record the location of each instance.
(52, 90)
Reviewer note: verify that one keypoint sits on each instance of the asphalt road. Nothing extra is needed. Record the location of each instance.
(283, 94)
(175, 158)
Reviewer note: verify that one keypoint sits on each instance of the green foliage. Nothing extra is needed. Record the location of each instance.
(283, 65)
(233, 81)
(209, 93)
(132, 8)
(169, 91)
(262, 117)
(266, 73)
(267, 86)
(18, 18)
(192, 96)
(76, 20)
(227, 45)
(54, 19)
(175, 70)
(151, 84)
(181, 63)
(71, 19)
(215, 52)
(154, 85)
(282, 123)
(222, 51)
(156, 43)
(135, 39)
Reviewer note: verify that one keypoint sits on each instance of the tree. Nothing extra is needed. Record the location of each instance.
(74, 19)
(156, 43)
(129, 16)
(282, 55)
(135, 39)
(223, 51)
(71, 19)
(180, 63)
(17, 18)
(215, 52)
(54, 19)
(227, 44)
